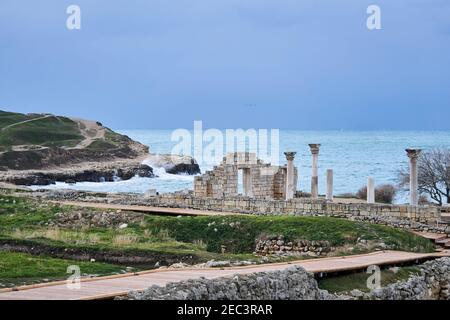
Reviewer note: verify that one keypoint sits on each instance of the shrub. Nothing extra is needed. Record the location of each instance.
(383, 194)
(362, 193)
(423, 200)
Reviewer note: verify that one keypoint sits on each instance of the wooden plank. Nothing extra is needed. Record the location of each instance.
(146, 209)
(431, 235)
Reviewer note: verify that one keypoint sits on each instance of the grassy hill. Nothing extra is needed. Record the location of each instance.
(36, 129)
(33, 141)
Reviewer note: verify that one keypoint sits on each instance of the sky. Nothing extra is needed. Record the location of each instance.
(286, 64)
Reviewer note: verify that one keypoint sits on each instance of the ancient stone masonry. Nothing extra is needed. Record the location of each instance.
(314, 175)
(295, 283)
(260, 180)
(420, 217)
(289, 284)
(413, 155)
(432, 282)
(278, 245)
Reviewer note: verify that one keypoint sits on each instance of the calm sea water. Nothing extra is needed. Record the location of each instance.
(353, 155)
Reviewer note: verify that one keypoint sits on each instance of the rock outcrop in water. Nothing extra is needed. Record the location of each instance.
(174, 164)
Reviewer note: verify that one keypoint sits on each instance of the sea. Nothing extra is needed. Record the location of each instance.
(353, 156)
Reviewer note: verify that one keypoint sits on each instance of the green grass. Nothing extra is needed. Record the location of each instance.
(348, 282)
(24, 219)
(21, 268)
(18, 212)
(101, 145)
(50, 132)
(8, 118)
(238, 233)
(53, 132)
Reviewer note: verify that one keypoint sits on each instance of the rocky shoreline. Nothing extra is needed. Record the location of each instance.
(174, 164)
(106, 171)
(90, 171)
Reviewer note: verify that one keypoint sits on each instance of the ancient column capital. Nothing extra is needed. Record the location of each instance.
(315, 147)
(290, 155)
(413, 154)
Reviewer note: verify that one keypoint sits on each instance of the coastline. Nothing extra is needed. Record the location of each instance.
(78, 172)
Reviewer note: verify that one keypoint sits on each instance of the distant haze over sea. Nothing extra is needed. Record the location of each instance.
(353, 155)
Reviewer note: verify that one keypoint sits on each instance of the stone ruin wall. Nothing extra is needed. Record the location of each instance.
(265, 194)
(420, 218)
(260, 180)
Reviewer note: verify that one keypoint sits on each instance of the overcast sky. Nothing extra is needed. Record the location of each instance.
(301, 64)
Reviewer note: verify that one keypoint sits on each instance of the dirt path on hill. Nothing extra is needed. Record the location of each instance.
(90, 130)
(26, 121)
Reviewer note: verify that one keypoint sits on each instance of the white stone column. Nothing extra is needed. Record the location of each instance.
(290, 187)
(314, 176)
(370, 190)
(329, 185)
(413, 154)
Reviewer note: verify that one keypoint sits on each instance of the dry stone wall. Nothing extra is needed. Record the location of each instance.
(418, 218)
(423, 218)
(293, 283)
(278, 245)
(433, 282)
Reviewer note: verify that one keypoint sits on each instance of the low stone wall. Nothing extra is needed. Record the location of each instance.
(404, 223)
(418, 218)
(277, 245)
(426, 215)
(432, 283)
(293, 283)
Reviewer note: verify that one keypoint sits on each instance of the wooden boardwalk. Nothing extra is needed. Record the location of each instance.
(146, 209)
(108, 287)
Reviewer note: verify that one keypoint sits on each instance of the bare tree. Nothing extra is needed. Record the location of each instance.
(433, 175)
